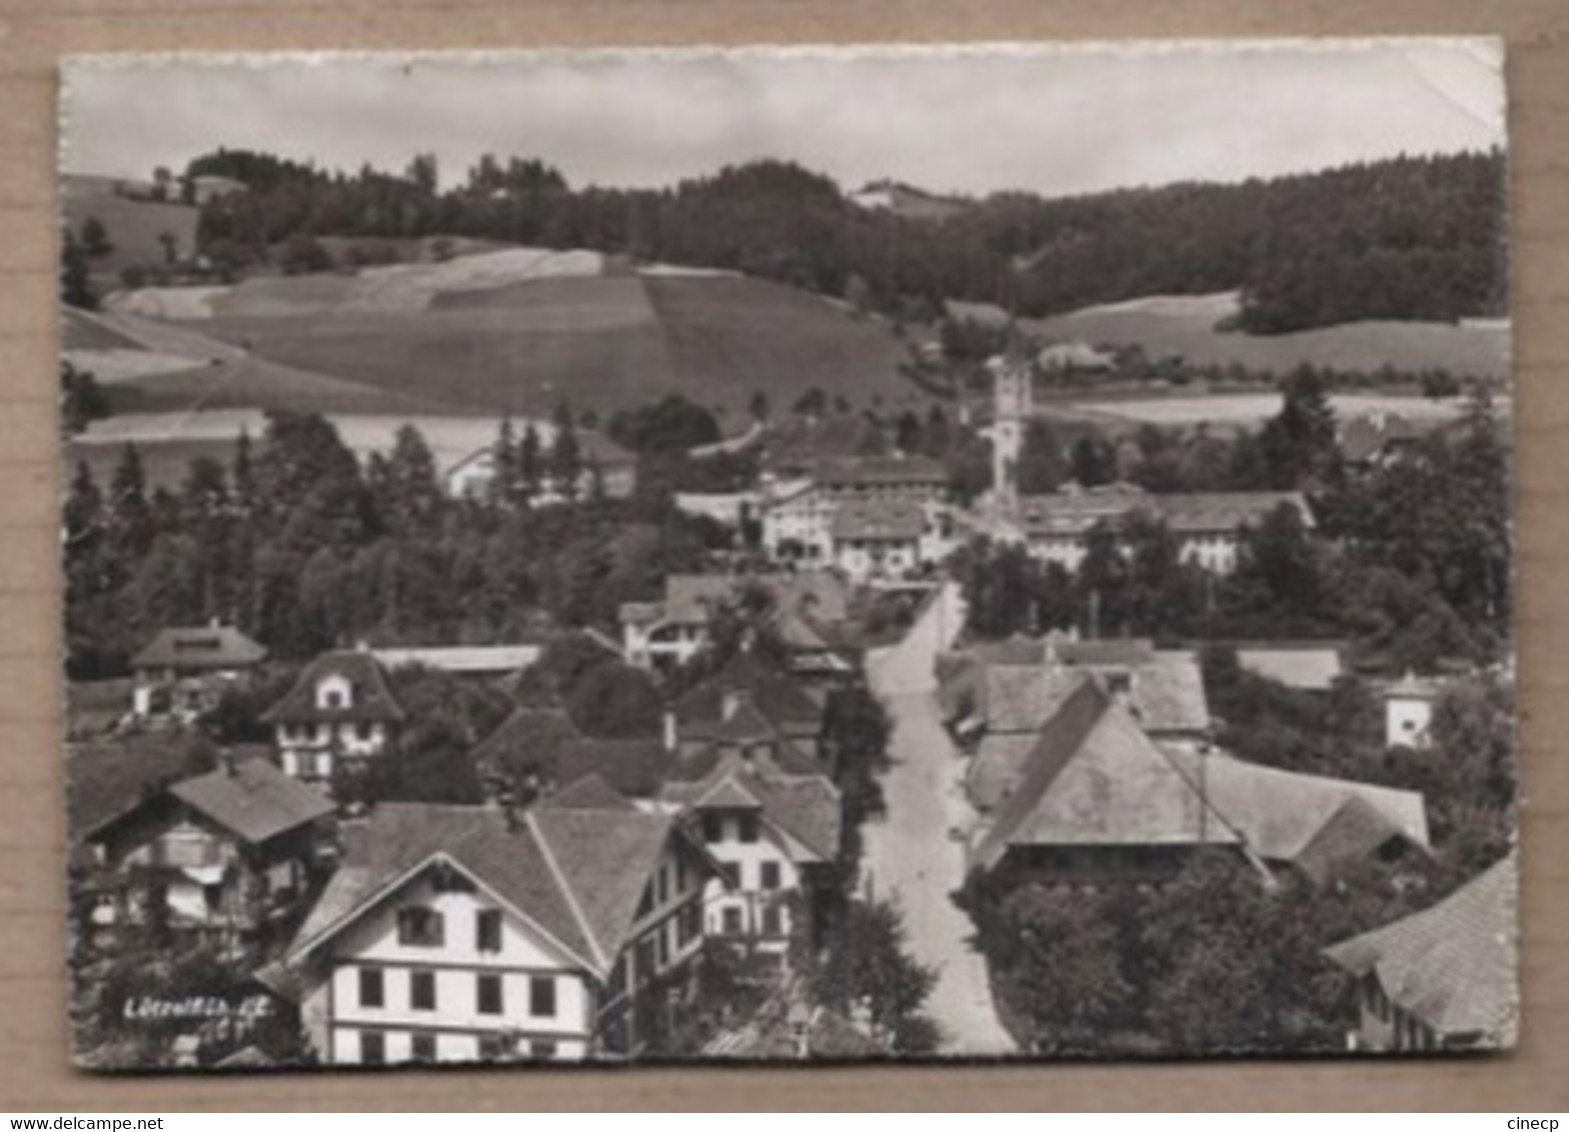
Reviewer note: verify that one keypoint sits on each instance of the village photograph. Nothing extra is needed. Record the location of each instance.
(788, 555)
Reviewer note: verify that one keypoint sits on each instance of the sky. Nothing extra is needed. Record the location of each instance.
(1055, 121)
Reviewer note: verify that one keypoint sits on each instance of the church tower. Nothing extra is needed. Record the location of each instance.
(1012, 399)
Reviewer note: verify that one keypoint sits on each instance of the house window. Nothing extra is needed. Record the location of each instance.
(542, 1049)
(732, 873)
(492, 1047)
(487, 929)
(422, 990)
(542, 997)
(662, 949)
(373, 990)
(689, 924)
(420, 927)
(748, 827)
(713, 828)
(730, 921)
(770, 875)
(422, 1047)
(664, 885)
(362, 731)
(373, 1048)
(334, 699)
(773, 921)
(489, 994)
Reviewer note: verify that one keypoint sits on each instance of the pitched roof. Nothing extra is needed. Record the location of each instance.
(546, 739)
(577, 872)
(398, 840)
(804, 806)
(1454, 964)
(775, 694)
(254, 800)
(463, 659)
(1309, 667)
(1074, 513)
(202, 647)
(1095, 777)
(1166, 694)
(889, 519)
(371, 700)
(591, 792)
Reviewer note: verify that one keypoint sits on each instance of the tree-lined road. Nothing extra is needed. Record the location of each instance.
(910, 855)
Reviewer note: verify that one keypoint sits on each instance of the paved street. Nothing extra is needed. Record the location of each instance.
(909, 855)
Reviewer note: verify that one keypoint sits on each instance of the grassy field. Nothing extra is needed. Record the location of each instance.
(603, 342)
(1184, 326)
(133, 226)
(1237, 410)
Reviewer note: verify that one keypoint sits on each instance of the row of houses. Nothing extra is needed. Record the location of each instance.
(559, 920)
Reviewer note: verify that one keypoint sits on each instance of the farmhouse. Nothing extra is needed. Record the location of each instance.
(341, 709)
(223, 848)
(182, 672)
(452, 933)
(1096, 800)
(769, 815)
(1444, 978)
(1208, 526)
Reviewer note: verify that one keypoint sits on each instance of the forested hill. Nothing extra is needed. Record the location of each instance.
(1406, 238)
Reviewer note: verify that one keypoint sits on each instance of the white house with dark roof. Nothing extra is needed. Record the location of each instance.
(798, 515)
(341, 708)
(1207, 526)
(1442, 978)
(460, 933)
(768, 814)
(181, 672)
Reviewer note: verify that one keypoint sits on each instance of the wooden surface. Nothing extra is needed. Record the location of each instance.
(34, 1071)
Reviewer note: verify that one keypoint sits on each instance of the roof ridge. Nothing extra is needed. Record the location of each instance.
(547, 851)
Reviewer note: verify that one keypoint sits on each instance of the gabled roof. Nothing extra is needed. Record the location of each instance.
(545, 738)
(775, 694)
(885, 519)
(252, 799)
(804, 806)
(591, 792)
(1452, 965)
(372, 700)
(1166, 694)
(1095, 778)
(575, 872)
(203, 647)
(463, 659)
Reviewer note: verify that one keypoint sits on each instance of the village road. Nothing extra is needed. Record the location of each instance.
(910, 856)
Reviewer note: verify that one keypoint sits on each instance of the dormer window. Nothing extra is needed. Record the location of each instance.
(334, 698)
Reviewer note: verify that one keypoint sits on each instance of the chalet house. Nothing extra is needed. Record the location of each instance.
(771, 817)
(1379, 439)
(877, 540)
(708, 712)
(1208, 526)
(798, 515)
(1444, 978)
(341, 709)
(563, 931)
(809, 607)
(614, 467)
(182, 672)
(225, 847)
(1096, 799)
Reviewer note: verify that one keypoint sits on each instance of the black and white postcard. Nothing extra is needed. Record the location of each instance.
(810, 554)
